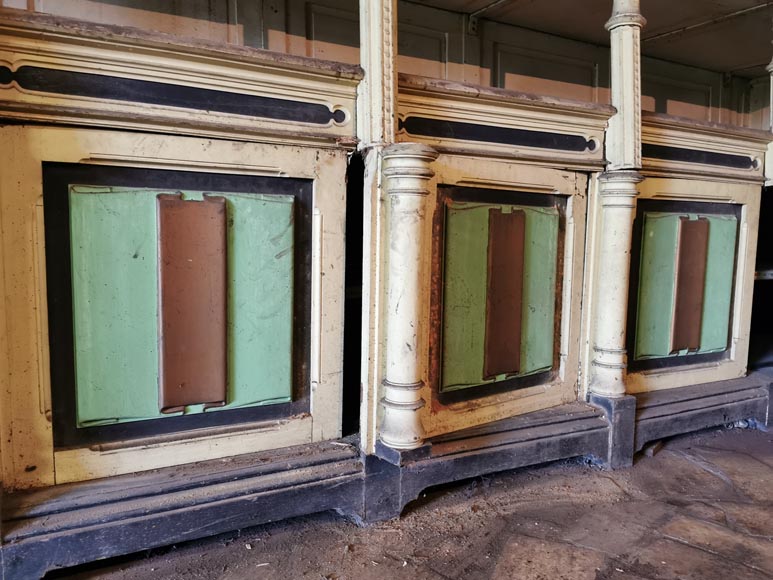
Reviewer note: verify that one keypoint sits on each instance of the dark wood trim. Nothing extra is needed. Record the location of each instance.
(668, 153)
(445, 129)
(99, 86)
(572, 430)
(72, 524)
(670, 412)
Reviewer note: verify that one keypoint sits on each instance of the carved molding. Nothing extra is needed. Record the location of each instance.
(624, 139)
(464, 118)
(87, 74)
(376, 94)
(677, 146)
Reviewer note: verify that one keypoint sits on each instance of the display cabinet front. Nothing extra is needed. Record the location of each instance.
(505, 293)
(493, 186)
(167, 299)
(692, 269)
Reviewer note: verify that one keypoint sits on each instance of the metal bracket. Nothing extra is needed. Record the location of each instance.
(473, 17)
(472, 25)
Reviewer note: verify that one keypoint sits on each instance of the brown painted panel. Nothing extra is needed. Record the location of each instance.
(691, 257)
(504, 295)
(192, 302)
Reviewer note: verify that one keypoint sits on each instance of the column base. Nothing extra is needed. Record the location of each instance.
(620, 413)
(400, 457)
(395, 477)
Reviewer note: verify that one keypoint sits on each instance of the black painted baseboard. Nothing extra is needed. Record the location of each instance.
(561, 432)
(669, 412)
(72, 524)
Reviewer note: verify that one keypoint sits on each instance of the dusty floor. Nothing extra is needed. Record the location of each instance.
(701, 508)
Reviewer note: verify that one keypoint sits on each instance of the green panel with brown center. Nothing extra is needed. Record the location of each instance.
(686, 273)
(115, 282)
(479, 270)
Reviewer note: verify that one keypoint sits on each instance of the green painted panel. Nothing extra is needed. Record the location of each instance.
(260, 299)
(114, 283)
(464, 295)
(657, 278)
(719, 283)
(115, 301)
(465, 286)
(539, 289)
(657, 284)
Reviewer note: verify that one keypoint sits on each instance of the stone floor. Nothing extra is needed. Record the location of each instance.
(700, 508)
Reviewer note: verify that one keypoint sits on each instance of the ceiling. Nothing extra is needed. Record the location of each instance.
(731, 36)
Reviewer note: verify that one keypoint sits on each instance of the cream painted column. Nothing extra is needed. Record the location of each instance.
(624, 136)
(407, 171)
(376, 127)
(396, 180)
(618, 206)
(617, 190)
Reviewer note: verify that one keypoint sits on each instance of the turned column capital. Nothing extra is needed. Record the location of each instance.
(620, 177)
(409, 160)
(626, 13)
(618, 188)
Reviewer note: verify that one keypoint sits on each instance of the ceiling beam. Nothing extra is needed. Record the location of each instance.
(705, 23)
(743, 67)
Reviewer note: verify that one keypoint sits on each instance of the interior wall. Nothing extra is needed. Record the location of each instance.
(759, 103)
(507, 56)
(436, 43)
(223, 21)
